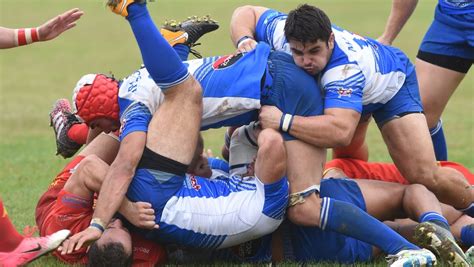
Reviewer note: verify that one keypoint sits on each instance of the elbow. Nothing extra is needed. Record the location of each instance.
(342, 138)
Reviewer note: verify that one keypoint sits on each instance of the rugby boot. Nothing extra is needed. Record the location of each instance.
(61, 119)
(189, 31)
(419, 257)
(120, 6)
(439, 240)
(32, 248)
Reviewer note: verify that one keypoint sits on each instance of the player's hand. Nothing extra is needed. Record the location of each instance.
(269, 117)
(59, 24)
(247, 45)
(142, 215)
(77, 241)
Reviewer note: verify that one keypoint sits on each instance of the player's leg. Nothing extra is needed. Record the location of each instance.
(8, 234)
(406, 134)
(410, 147)
(437, 84)
(462, 225)
(391, 201)
(175, 125)
(270, 165)
(445, 56)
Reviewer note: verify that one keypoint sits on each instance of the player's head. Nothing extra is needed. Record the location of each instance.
(308, 31)
(95, 100)
(114, 247)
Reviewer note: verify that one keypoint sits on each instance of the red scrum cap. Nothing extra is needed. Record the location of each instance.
(96, 96)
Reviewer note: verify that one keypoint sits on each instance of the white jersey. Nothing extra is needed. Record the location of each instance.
(361, 74)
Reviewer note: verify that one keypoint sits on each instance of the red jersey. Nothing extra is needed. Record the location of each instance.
(58, 209)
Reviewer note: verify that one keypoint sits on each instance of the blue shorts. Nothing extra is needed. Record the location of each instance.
(311, 244)
(292, 90)
(406, 101)
(450, 35)
(204, 213)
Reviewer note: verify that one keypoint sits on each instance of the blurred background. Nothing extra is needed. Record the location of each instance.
(33, 77)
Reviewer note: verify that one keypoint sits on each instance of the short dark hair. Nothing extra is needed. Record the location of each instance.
(307, 24)
(110, 254)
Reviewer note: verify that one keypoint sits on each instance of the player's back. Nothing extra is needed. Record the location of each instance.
(231, 87)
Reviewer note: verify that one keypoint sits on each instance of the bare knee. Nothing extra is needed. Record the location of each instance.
(307, 213)
(415, 190)
(271, 141)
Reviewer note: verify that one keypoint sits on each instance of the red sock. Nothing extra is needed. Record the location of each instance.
(78, 133)
(9, 237)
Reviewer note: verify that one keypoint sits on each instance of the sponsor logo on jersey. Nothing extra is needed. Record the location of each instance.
(194, 183)
(226, 61)
(344, 92)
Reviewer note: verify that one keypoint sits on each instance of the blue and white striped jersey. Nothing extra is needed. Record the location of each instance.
(361, 74)
(231, 91)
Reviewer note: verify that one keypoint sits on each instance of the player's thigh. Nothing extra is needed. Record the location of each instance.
(383, 200)
(305, 164)
(410, 146)
(437, 85)
(270, 165)
(173, 130)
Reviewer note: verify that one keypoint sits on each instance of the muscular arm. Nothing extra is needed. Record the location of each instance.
(112, 191)
(333, 129)
(244, 21)
(401, 11)
(119, 176)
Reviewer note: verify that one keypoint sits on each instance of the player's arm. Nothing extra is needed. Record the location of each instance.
(49, 30)
(333, 129)
(113, 190)
(399, 15)
(242, 26)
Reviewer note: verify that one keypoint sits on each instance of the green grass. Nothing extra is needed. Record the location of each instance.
(32, 78)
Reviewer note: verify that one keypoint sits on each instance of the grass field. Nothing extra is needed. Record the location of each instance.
(32, 78)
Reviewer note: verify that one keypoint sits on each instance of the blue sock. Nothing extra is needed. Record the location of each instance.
(439, 141)
(467, 235)
(160, 59)
(346, 218)
(434, 217)
(182, 50)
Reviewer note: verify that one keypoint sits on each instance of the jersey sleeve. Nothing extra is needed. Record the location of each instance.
(270, 29)
(343, 87)
(219, 164)
(135, 118)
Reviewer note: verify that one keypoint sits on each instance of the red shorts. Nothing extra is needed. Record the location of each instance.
(387, 172)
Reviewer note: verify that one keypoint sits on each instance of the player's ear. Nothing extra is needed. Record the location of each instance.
(331, 41)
